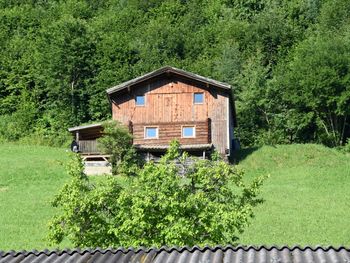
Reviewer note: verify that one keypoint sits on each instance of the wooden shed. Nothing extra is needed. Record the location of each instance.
(85, 137)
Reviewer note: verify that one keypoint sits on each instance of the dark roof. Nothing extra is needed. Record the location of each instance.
(185, 254)
(168, 69)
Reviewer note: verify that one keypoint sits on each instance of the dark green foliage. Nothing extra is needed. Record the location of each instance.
(117, 142)
(345, 148)
(168, 203)
(317, 88)
(62, 55)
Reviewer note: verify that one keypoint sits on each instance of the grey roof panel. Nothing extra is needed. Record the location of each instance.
(184, 254)
(82, 127)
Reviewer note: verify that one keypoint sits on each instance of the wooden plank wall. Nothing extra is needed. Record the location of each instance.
(169, 99)
(217, 111)
(88, 146)
(171, 130)
(89, 133)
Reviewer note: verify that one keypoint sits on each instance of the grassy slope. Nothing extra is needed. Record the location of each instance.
(29, 178)
(307, 197)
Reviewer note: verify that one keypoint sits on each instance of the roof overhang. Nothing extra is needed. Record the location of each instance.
(168, 70)
(185, 147)
(84, 127)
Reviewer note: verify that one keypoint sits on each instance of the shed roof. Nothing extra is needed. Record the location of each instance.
(168, 69)
(83, 127)
(184, 254)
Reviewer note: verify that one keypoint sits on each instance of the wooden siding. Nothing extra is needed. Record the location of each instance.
(172, 130)
(169, 99)
(88, 146)
(89, 134)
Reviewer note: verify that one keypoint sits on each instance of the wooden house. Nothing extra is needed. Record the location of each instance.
(168, 104)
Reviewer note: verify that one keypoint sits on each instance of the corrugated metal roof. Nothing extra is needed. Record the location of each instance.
(168, 69)
(185, 254)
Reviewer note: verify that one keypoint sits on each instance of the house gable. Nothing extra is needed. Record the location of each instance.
(168, 71)
(169, 105)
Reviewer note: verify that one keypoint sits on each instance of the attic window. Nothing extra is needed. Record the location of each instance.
(198, 98)
(140, 100)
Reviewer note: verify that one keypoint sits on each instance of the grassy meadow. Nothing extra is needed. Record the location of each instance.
(29, 178)
(307, 198)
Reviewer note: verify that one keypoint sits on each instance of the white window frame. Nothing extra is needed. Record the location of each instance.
(194, 95)
(144, 100)
(151, 138)
(188, 126)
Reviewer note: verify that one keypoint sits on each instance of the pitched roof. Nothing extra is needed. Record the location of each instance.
(184, 254)
(168, 69)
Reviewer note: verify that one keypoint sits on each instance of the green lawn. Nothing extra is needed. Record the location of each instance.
(29, 178)
(307, 197)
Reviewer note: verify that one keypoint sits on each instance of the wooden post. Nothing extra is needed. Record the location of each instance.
(130, 127)
(209, 129)
(77, 136)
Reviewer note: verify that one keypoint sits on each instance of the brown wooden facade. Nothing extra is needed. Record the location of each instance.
(169, 106)
(169, 131)
(85, 136)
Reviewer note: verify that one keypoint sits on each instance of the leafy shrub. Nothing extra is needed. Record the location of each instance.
(346, 147)
(47, 138)
(7, 131)
(117, 141)
(168, 203)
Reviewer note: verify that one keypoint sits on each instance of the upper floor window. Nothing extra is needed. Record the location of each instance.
(198, 98)
(188, 132)
(140, 100)
(151, 132)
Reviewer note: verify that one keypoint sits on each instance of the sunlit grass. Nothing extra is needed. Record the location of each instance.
(307, 196)
(29, 178)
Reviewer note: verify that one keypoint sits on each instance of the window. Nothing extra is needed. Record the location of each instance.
(151, 132)
(198, 98)
(188, 131)
(140, 100)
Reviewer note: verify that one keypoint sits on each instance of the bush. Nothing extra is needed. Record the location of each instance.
(24, 127)
(117, 141)
(168, 203)
(54, 139)
(346, 147)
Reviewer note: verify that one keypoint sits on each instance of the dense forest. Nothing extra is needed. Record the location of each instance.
(287, 61)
